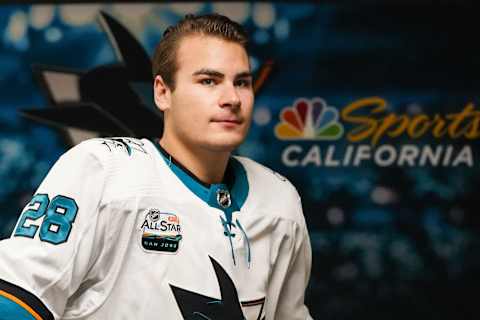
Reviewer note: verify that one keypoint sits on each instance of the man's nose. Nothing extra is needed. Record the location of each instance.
(230, 97)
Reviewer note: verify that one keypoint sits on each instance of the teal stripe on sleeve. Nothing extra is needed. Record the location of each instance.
(9, 310)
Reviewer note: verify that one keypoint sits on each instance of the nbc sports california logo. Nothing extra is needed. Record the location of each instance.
(365, 131)
(309, 120)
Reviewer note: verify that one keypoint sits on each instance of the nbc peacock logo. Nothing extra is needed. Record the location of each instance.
(309, 120)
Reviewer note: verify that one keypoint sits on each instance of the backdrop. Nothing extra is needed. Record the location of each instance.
(370, 109)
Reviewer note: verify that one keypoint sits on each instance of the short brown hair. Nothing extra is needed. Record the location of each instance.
(164, 59)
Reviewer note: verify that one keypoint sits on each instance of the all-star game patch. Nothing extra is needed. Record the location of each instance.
(161, 232)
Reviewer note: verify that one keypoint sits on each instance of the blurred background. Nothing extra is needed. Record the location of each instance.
(370, 109)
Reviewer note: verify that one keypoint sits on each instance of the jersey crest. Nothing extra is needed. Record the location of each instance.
(197, 306)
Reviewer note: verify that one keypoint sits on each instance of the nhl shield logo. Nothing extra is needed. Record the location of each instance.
(223, 198)
(161, 232)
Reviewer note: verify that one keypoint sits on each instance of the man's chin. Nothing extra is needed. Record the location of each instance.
(225, 145)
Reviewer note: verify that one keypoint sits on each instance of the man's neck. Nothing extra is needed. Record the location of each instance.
(207, 166)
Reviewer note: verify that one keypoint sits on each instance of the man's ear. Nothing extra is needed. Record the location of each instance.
(161, 93)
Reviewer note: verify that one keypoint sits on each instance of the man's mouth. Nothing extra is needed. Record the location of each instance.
(227, 120)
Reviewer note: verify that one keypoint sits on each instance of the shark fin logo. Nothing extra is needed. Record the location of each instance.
(126, 144)
(197, 306)
(309, 120)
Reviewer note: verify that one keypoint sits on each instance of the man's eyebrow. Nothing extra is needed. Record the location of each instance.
(245, 74)
(217, 74)
(208, 72)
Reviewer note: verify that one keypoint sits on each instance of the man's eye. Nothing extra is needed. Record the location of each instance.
(207, 82)
(243, 83)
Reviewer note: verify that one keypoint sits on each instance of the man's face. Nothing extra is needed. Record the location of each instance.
(211, 105)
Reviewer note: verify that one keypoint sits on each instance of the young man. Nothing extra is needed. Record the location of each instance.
(171, 229)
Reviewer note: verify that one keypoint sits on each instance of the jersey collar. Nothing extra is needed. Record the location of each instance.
(228, 196)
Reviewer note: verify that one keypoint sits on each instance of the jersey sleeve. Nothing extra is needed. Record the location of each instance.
(55, 241)
(291, 271)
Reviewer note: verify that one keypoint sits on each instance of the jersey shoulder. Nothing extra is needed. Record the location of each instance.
(127, 163)
(260, 174)
(118, 147)
(121, 154)
(273, 190)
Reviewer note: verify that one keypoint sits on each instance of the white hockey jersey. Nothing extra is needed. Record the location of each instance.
(117, 230)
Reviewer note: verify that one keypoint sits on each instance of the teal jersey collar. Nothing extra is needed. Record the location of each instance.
(228, 196)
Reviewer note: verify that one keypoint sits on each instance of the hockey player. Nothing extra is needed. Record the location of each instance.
(175, 228)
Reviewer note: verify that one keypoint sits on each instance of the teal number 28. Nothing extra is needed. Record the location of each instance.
(59, 215)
